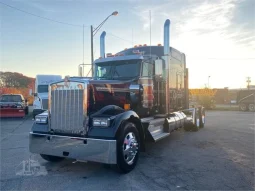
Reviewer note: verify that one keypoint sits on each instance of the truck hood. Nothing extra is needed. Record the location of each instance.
(107, 92)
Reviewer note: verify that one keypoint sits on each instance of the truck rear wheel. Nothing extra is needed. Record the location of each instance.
(196, 125)
(243, 107)
(202, 121)
(251, 107)
(128, 148)
(52, 158)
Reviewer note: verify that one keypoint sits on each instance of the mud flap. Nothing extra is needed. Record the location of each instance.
(202, 117)
(195, 118)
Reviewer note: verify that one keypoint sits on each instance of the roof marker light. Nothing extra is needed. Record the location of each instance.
(109, 55)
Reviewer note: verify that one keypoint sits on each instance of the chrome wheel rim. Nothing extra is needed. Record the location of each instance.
(243, 107)
(251, 107)
(130, 148)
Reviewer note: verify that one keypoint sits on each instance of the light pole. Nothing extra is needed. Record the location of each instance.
(248, 82)
(93, 33)
(208, 81)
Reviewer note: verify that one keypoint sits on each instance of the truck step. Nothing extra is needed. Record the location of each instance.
(160, 136)
(156, 128)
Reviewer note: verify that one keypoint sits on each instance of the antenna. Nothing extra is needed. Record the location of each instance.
(83, 49)
(132, 38)
(150, 33)
(248, 82)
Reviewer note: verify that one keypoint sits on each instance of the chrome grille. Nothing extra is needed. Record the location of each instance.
(67, 111)
(45, 103)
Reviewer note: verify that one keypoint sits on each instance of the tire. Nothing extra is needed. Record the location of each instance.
(52, 158)
(128, 138)
(196, 125)
(251, 107)
(201, 123)
(33, 115)
(26, 111)
(243, 107)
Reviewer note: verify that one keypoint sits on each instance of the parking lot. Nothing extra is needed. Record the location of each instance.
(217, 157)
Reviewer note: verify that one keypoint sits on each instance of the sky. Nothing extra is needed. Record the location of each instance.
(46, 36)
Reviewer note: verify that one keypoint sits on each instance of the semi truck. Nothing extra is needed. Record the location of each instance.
(246, 99)
(137, 95)
(40, 103)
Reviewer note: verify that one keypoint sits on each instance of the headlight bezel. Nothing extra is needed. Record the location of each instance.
(41, 118)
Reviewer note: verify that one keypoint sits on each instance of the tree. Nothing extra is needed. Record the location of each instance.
(16, 83)
(14, 79)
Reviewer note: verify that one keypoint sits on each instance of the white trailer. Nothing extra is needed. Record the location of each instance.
(42, 82)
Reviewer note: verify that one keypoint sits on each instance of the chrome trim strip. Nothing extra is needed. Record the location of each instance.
(81, 138)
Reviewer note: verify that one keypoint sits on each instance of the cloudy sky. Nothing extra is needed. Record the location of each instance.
(46, 36)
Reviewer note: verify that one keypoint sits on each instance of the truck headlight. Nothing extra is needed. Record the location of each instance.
(41, 119)
(101, 122)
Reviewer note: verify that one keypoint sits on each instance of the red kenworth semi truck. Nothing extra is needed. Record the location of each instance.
(137, 95)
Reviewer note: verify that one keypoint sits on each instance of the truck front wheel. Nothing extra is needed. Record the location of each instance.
(52, 158)
(128, 147)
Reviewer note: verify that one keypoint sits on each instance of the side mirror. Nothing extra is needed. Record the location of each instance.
(159, 68)
(35, 94)
(26, 100)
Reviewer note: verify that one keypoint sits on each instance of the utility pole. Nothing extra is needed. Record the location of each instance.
(208, 81)
(248, 82)
(93, 33)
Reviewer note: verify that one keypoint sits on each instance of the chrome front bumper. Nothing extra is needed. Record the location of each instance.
(87, 149)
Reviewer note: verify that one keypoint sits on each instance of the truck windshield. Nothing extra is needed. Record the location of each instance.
(126, 69)
(42, 89)
(11, 98)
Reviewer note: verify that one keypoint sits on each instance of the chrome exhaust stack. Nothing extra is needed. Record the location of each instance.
(102, 44)
(167, 38)
(167, 60)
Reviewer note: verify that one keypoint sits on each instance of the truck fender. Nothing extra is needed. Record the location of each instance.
(130, 116)
(119, 116)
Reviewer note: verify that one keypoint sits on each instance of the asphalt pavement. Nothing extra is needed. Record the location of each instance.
(217, 157)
